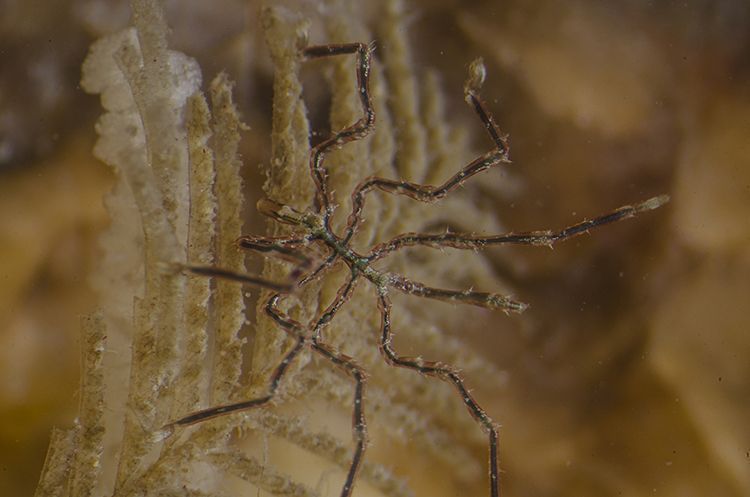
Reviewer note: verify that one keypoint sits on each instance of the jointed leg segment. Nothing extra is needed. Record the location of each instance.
(284, 248)
(423, 193)
(429, 193)
(348, 365)
(445, 373)
(227, 274)
(480, 299)
(540, 238)
(356, 131)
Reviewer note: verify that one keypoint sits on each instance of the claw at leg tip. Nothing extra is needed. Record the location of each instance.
(163, 433)
(654, 203)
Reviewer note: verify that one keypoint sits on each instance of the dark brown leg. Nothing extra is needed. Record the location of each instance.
(357, 131)
(348, 365)
(479, 299)
(544, 238)
(429, 193)
(445, 373)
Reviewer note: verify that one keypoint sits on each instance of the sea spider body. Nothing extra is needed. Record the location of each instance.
(315, 227)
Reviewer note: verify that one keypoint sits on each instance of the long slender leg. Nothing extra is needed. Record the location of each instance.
(479, 299)
(446, 373)
(356, 131)
(429, 193)
(346, 363)
(343, 294)
(359, 424)
(282, 247)
(423, 193)
(318, 270)
(540, 238)
(227, 274)
(286, 249)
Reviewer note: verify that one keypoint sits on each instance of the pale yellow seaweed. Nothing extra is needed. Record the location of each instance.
(90, 424)
(54, 479)
(253, 471)
(230, 302)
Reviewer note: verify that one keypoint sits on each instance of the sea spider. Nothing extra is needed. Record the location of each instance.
(315, 228)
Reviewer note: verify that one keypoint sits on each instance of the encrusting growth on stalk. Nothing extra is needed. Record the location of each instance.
(312, 231)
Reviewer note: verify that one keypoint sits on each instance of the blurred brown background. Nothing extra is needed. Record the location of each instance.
(629, 374)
